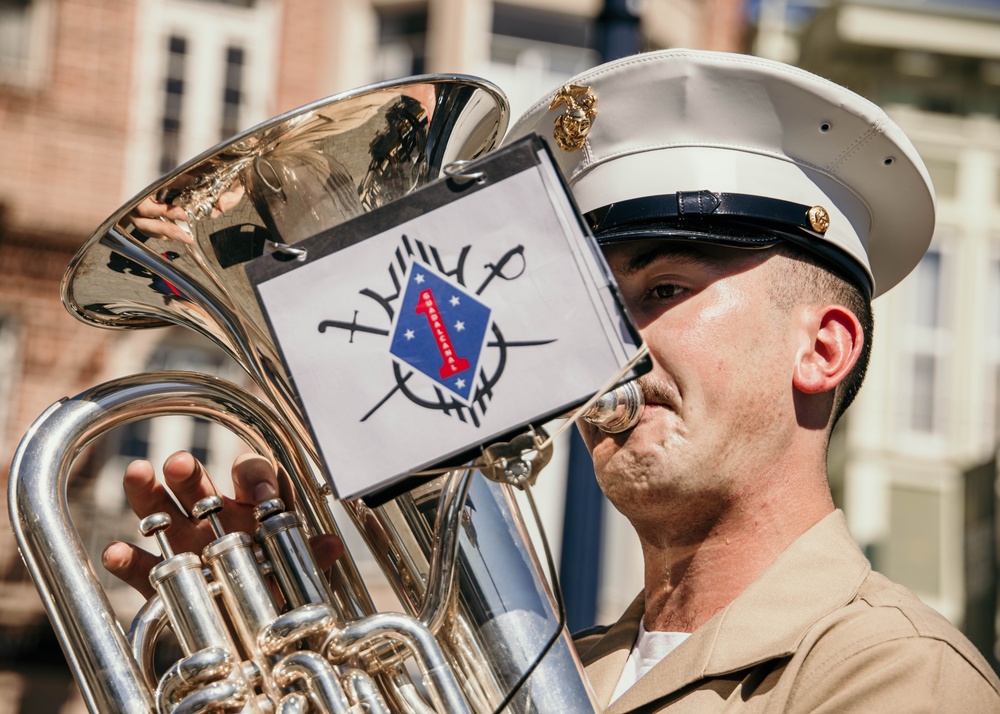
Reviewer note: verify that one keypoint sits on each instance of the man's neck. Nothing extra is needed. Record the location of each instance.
(689, 579)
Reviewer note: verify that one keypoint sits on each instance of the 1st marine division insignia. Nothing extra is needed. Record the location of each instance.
(440, 330)
(448, 351)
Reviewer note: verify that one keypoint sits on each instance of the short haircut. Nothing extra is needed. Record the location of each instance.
(817, 280)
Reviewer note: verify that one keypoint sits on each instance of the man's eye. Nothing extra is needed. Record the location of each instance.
(665, 292)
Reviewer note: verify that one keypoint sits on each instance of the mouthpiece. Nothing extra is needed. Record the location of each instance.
(617, 410)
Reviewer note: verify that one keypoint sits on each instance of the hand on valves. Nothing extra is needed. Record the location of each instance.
(254, 481)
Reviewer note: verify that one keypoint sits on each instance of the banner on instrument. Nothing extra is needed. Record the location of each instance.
(446, 320)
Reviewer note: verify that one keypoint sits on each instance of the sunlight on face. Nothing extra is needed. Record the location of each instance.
(719, 396)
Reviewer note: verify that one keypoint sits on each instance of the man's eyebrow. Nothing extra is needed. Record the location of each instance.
(688, 256)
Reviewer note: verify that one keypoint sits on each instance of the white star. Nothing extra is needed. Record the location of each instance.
(408, 334)
(419, 279)
(459, 384)
(459, 325)
(454, 300)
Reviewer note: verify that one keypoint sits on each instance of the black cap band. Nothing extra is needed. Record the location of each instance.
(700, 204)
(734, 219)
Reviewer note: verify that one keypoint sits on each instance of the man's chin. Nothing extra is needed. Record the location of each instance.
(614, 452)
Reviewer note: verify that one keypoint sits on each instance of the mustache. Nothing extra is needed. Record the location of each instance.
(657, 390)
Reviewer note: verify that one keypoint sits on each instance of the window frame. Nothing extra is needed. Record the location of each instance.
(34, 65)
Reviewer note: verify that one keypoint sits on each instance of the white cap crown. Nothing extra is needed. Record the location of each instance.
(683, 121)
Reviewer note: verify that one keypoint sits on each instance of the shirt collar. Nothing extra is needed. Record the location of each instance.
(820, 571)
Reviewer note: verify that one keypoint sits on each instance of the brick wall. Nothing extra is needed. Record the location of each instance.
(303, 49)
(63, 142)
(63, 146)
(58, 356)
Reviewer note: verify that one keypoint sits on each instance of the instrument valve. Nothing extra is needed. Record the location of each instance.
(268, 508)
(208, 508)
(155, 525)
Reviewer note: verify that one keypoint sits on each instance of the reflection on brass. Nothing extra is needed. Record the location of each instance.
(573, 125)
(819, 219)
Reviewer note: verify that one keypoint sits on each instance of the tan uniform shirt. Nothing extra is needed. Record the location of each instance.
(817, 632)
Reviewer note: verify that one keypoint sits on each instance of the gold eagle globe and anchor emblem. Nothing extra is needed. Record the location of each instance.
(819, 219)
(573, 125)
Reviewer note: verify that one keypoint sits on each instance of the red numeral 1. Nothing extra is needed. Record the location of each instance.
(453, 364)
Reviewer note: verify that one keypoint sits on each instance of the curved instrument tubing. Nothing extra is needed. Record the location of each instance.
(260, 626)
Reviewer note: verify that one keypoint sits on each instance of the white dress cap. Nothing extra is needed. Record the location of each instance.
(660, 123)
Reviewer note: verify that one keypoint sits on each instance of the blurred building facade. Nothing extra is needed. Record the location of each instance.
(100, 97)
(930, 411)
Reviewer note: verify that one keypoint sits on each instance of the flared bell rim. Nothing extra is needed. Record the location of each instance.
(74, 274)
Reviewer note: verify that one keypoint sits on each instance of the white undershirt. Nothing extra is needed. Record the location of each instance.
(649, 649)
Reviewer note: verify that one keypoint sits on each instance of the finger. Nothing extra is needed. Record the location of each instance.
(326, 548)
(254, 480)
(175, 213)
(188, 479)
(156, 228)
(145, 494)
(151, 208)
(131, 565)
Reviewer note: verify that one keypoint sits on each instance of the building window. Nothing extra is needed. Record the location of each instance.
(15, 45)
(173, 102)
(23, 41)
(541, 27)
(201, 440)
(993, 317)
(944, 175)
(928, 336)
(135, 440)
(206, 85)
(533, 50)
(8, 375)
(928, 297)
(402, 42)
(912, 556)
(232, 93)
(924, 384)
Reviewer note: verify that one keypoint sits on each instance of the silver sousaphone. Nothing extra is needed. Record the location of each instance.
(479, 629)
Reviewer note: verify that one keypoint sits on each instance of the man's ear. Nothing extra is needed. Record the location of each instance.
(831, 344)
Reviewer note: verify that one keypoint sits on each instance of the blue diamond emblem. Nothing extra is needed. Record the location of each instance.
(440, 330)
